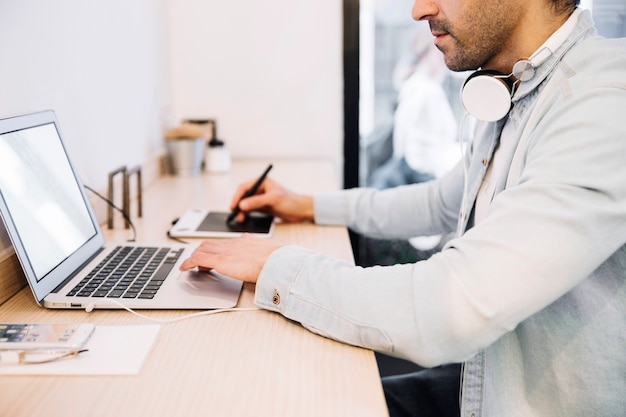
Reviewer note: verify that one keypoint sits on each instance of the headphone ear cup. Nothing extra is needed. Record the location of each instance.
(486, 97)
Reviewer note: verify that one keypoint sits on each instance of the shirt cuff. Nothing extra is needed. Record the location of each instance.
(278, 276)
(331, 208)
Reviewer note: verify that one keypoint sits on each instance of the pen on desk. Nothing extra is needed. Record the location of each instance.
(233, 214)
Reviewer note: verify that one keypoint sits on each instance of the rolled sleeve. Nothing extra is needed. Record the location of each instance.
(278, 276)
(331, 209)
(297, 283)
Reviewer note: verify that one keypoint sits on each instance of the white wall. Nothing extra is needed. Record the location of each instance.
(102, 65)
(120, 72)
(270, 72)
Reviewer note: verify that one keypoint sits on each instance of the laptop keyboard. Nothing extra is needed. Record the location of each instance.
(128, 272)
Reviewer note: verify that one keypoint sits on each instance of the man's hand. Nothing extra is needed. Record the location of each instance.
(241, 258)
(272, 198)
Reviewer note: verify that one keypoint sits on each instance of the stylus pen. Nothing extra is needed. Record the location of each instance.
(233, 214)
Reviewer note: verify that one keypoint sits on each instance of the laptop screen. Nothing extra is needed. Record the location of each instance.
(42, 197)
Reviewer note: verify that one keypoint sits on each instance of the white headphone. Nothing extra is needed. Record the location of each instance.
(486, 94)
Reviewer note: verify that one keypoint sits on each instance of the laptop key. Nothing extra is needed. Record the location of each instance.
(128, 273)
(146, 296)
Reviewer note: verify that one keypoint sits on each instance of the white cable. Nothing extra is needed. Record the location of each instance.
(90, 307)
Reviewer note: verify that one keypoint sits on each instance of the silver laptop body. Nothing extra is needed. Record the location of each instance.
(59, 242)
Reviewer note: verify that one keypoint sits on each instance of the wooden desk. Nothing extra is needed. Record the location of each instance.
(231, 364)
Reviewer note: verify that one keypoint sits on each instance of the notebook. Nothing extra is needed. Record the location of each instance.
(202, 223)
(61, 247)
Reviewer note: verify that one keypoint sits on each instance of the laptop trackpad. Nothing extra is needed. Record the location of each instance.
(208, 283)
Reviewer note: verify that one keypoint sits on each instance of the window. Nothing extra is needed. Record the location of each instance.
(378, 41)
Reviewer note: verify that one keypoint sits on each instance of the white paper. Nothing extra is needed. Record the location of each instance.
(113, 350)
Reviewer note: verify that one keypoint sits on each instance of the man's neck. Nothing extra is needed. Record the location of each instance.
(539, 24)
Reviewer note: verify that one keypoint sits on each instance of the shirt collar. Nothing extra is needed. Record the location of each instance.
(550, 53)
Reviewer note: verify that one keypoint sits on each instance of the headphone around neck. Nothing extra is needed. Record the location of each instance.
(487, 94)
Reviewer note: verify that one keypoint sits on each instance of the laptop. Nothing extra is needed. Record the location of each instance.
(61, 247)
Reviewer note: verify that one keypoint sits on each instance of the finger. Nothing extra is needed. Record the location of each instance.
(256, 202)
(187, 265)
(241, 217)
(198, 257)
(239, 192)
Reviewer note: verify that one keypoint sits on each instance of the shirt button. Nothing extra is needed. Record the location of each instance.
(276, 298)
(484, 161)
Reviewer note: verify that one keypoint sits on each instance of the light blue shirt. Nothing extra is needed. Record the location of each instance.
(533, 296)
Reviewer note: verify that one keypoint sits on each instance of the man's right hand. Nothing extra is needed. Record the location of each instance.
(274, 199)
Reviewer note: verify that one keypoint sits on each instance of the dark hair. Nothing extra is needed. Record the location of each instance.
(564, 5)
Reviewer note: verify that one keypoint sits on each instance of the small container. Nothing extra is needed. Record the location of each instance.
(185, 156)
(207, 127)
(217, 156)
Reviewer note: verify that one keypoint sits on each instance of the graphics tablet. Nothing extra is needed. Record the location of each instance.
(208, 224)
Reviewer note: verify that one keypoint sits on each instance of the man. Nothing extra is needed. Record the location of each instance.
(532, 294)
